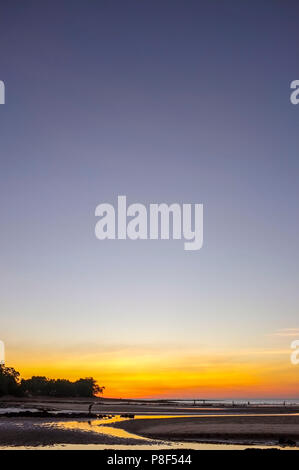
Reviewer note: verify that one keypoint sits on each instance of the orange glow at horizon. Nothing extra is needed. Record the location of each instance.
(158, 374)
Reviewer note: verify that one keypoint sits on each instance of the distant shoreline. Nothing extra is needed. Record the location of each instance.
(132, 406)
(174, 402)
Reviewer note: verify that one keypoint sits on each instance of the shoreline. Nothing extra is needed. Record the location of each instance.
(45, 422)
(104, 406)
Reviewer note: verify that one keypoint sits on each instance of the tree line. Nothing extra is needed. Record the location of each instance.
(12, 384)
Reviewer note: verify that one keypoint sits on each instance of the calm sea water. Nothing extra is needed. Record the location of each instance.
(244, 401)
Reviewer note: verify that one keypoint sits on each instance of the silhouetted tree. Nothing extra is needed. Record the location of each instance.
(36, 385)
(9, 381)
(10, 384)
(87, 387)
(42, 386)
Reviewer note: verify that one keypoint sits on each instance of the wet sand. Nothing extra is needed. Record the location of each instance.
(39, 432)
(147, 432)
(218, 423)
(219, 428)
(115, 406)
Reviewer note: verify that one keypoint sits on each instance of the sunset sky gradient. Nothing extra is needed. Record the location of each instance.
(171, 101)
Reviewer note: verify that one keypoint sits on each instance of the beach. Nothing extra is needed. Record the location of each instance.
(143, 423)
(229, 428)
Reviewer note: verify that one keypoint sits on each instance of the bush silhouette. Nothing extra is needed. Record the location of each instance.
(10, 384)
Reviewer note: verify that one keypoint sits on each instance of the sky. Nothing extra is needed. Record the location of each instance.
(171, 101)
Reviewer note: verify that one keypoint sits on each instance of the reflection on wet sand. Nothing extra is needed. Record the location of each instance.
(118, 432)
(100, 426)
(106, 428)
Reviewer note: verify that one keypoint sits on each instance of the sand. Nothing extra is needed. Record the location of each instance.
(36, 432)
(240, 429)
(114, 406)
(216, 424)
